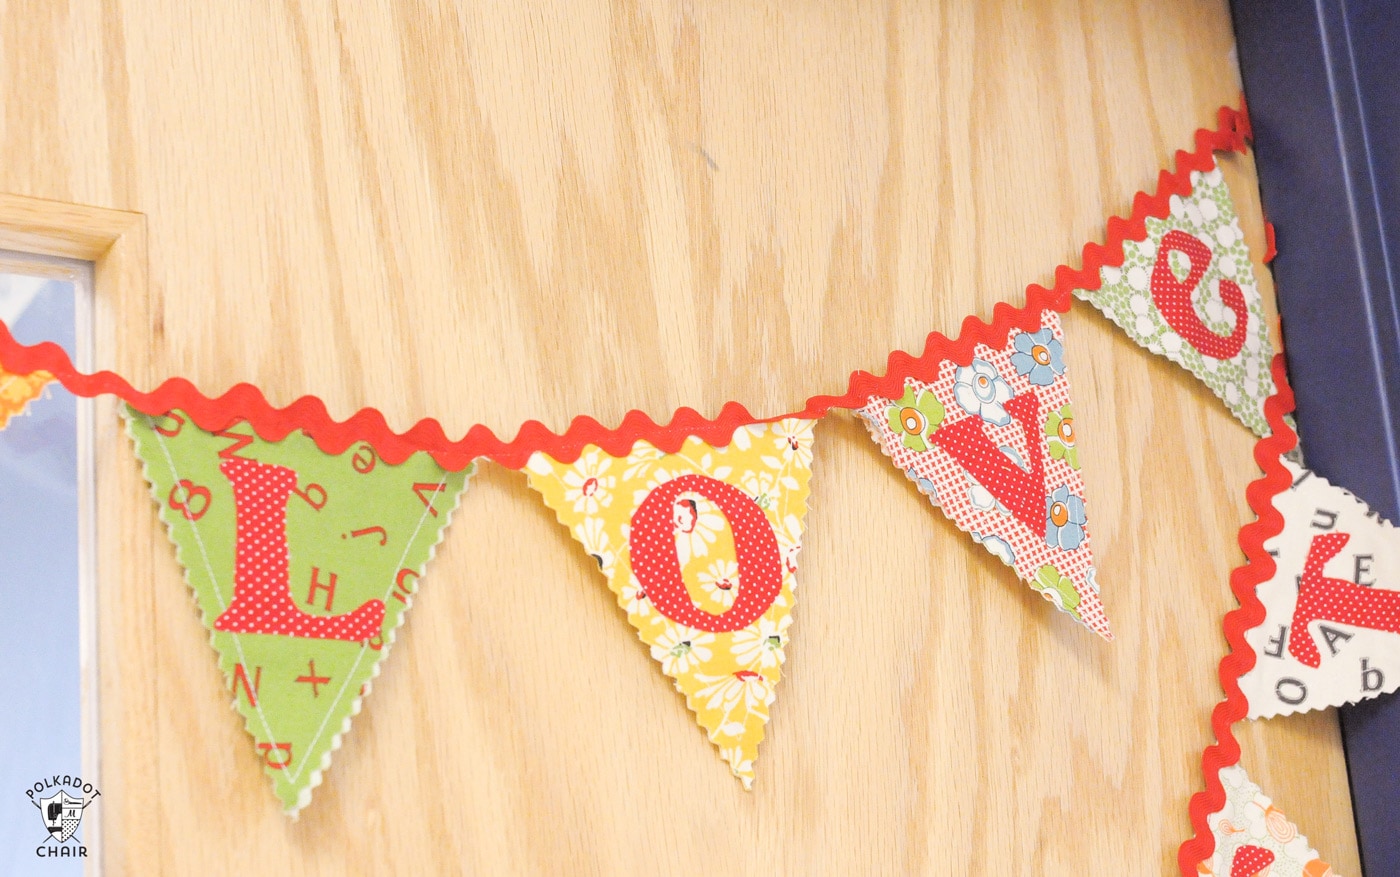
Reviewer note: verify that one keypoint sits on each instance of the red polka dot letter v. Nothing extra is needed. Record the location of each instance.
(990, 439)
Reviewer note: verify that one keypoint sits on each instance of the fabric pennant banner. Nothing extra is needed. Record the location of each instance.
(303, 565)
(992, 443)
(700, 548)
(1186, 291)
(17, 391)
(1331, 633)
(1253, 838)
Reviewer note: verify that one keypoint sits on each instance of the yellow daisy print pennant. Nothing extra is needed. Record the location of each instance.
(700, 548)
(17, 391)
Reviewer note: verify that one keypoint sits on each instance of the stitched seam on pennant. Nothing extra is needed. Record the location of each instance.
(214, 582)
(350, 674)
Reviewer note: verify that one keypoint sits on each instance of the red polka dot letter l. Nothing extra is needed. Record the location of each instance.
(262, 599)
(303, 566)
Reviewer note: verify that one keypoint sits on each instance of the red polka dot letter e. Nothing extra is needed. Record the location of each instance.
(700, 548)
(303, 566)
(1185, 290)
(991, 441)
(262, 600)
(1173, 297)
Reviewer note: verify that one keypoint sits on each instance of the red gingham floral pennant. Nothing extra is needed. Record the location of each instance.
(991, 441)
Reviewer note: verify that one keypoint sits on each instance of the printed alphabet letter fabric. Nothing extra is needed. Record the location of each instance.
(1187, 292)
(700, 548)
(302, 565)
(1331, 635)
(1253, 838)
(993, 444)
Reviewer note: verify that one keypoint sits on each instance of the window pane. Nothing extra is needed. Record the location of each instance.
(41, 727)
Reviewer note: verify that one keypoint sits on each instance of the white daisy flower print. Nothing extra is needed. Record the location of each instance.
(681, 649)
(761, 644)
(587, 484)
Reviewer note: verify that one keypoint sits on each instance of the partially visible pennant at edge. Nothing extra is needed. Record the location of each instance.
(1331, 632)
(1254, 837)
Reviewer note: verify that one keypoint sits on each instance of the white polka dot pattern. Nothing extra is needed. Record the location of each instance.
(262, 599)
(657, 565)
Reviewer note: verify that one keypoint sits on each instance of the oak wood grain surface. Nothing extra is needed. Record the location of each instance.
(498, 211)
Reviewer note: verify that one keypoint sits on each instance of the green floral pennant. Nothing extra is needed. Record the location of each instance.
(303, 566)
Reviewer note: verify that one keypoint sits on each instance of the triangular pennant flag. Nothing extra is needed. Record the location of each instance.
(1253, 838)
(992, 443)
(17, 391)
(700, 548)
(1331, 631)
(302, 564)
(1186, 291)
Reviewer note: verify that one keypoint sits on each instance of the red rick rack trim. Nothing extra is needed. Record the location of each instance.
(245, 402)
(1258, 568)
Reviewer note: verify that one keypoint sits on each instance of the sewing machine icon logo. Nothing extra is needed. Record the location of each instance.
(62, 814)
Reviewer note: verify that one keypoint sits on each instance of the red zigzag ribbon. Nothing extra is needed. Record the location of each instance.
(1258, 568)
(245, 402)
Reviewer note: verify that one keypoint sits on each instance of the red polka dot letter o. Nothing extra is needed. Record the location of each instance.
(1173, 297)
(657, 566)
(262, 599)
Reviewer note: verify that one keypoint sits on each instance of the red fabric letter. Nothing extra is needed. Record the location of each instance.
(1324, 599)
(1250, 860)
(262, 598)
(658, 569)
(1173, 297)
(1022, 492)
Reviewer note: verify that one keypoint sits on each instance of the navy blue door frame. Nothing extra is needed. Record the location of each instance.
(1322, 80)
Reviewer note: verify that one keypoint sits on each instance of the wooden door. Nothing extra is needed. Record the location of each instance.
(496, 212)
